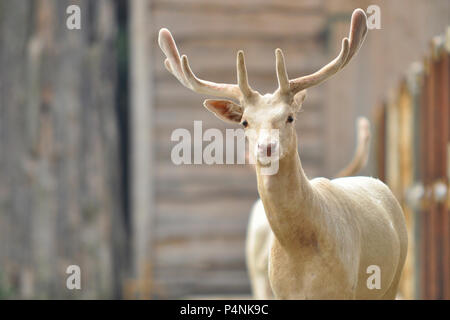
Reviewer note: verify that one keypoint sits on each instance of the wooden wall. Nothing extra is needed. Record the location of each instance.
(62, 182)
(60, 187)
(201, 210)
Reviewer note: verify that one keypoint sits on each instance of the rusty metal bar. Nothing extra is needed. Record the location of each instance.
(424, 177)
(427, 192)
(380, 142)
(431, 169)
(445, 97)
(439, 151)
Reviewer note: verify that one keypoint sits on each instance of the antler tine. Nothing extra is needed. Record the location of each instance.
(242, 77)
(282, 76)
(324, 73)
(179, 67)
(208, 87)
(362, 149)
(358, 31)
(173, 62)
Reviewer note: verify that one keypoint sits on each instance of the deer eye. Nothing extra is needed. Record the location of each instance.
(245, 123)
(290, 119)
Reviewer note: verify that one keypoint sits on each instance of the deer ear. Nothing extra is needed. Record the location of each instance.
(299, 98)
(225, 110)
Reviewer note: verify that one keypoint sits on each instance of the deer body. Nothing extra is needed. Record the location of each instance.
(326, 233)
(260, 236)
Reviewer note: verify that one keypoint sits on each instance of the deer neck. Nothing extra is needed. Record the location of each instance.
(289, 202)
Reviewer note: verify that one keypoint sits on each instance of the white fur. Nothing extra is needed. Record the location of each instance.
(259, 234)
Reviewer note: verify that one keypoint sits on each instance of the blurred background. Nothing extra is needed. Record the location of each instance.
(86, 117)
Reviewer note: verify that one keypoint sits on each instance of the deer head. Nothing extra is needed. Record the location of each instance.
(261, 114)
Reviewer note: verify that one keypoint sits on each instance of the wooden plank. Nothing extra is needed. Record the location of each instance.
(405, 151)
(425, 132)
(445, 85)
(181, 191)
(170, 232)
(439, 171)
(218, 55)
(249, 5)
(188, 282)
(182, 114)
(171, 93)
(392, 143)
(142, 190)
(414, 79)
(242, 23)
(226, 208)
(225, 252)
(438, 165)
(432, 248)
(417, 77)
(310, 149)
(186, 265)
(442, 126)
(380, 141)
(204, 228)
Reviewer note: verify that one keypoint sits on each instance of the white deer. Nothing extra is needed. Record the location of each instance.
(260, 236)
(327, 233)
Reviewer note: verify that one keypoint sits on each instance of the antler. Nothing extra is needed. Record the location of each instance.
(362, 150)
(350, 46)
(180, 68)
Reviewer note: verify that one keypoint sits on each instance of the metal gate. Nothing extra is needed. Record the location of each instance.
(413, 155)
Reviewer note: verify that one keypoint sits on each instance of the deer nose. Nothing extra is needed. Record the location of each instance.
(266, 149)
